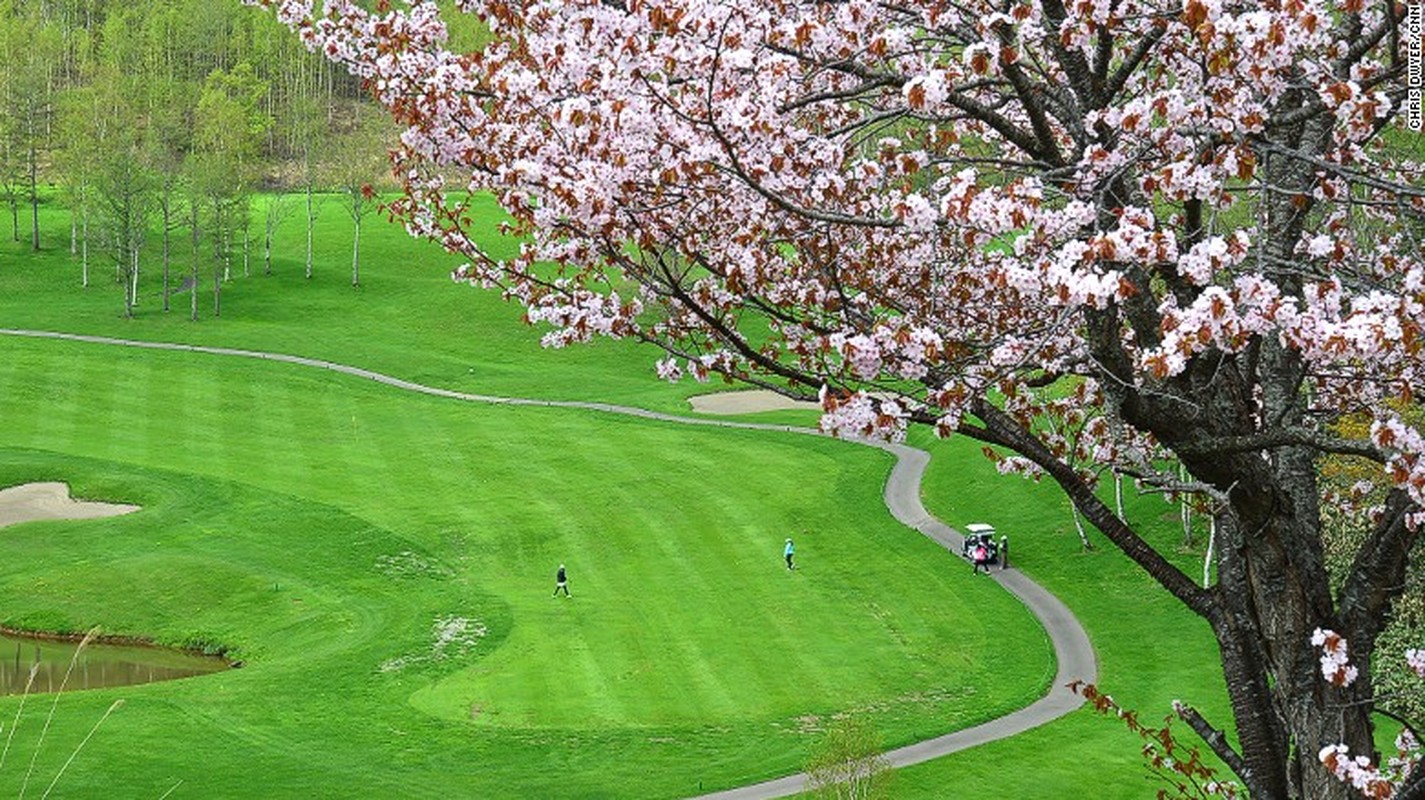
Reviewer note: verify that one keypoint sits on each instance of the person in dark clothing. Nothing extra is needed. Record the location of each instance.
(561, 581)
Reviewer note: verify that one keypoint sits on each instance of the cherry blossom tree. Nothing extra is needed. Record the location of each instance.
(1097, 235)
(1375, 779)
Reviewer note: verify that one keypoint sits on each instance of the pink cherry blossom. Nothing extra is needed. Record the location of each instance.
(1168, 240)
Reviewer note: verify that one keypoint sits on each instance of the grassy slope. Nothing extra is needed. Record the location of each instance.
(407, 318)
(688, 659)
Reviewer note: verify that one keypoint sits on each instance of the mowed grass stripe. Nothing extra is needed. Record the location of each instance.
(51, 408)
(685, 626)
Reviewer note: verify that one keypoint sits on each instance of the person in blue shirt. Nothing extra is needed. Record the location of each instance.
(787, 552)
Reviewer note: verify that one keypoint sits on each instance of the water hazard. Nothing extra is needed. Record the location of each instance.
(97, 666)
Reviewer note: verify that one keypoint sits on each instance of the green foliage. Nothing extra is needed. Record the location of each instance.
(230, 126)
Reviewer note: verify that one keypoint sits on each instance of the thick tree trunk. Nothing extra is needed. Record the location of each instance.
(1273, 590)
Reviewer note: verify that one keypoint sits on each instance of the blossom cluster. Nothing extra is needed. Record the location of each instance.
(1336, 665)
(1372, 780)
(848, 192)
(1359, 771)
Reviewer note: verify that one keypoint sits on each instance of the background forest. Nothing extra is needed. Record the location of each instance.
(165, 119)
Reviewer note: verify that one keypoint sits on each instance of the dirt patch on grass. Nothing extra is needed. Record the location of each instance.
(30, 502)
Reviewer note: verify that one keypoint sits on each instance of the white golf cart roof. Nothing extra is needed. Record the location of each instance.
(979, 527)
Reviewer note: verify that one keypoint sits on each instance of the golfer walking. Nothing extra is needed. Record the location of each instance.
(561, 581)
(787, 552)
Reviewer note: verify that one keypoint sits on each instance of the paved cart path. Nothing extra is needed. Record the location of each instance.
(1072, 648)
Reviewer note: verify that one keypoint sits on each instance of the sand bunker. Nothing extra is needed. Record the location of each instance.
(753, 401)
(41, 501)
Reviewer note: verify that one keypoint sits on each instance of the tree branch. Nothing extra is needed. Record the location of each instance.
(1281, 437)
(1377, 575)
(1215, 739)
(1000, 429)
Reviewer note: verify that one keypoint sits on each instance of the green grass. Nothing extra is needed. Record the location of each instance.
(1150, 649)
(318, 525)
(407, 318)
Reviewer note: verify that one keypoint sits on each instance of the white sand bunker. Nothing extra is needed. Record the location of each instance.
(752, 401)
(29, 502)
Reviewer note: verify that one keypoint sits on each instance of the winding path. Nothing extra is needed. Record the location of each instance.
(1072, 648)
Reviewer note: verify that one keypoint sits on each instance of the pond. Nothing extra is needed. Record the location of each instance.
(98, 665)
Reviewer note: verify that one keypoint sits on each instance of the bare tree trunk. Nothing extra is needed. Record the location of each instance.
(1118, 493)
(84, 253)
(34, 196)
(1185, 510)
(218, 281)
(167, 212)
(128, 284)
(311, 221)
(1211, 543)
(356, 254)
(1079, 527)
(193, 290)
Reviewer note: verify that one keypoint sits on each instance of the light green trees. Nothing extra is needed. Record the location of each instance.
(169, 140)
(358, 163)
(170, 96)
(228, 132)
(123, 183)
(31, 50)
(201, 84)
(75, 160)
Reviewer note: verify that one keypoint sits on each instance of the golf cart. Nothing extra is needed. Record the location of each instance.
(976, 534)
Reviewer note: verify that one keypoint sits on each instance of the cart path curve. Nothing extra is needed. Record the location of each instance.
(1072, 648)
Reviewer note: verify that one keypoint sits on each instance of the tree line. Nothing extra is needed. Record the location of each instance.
(166, 118)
